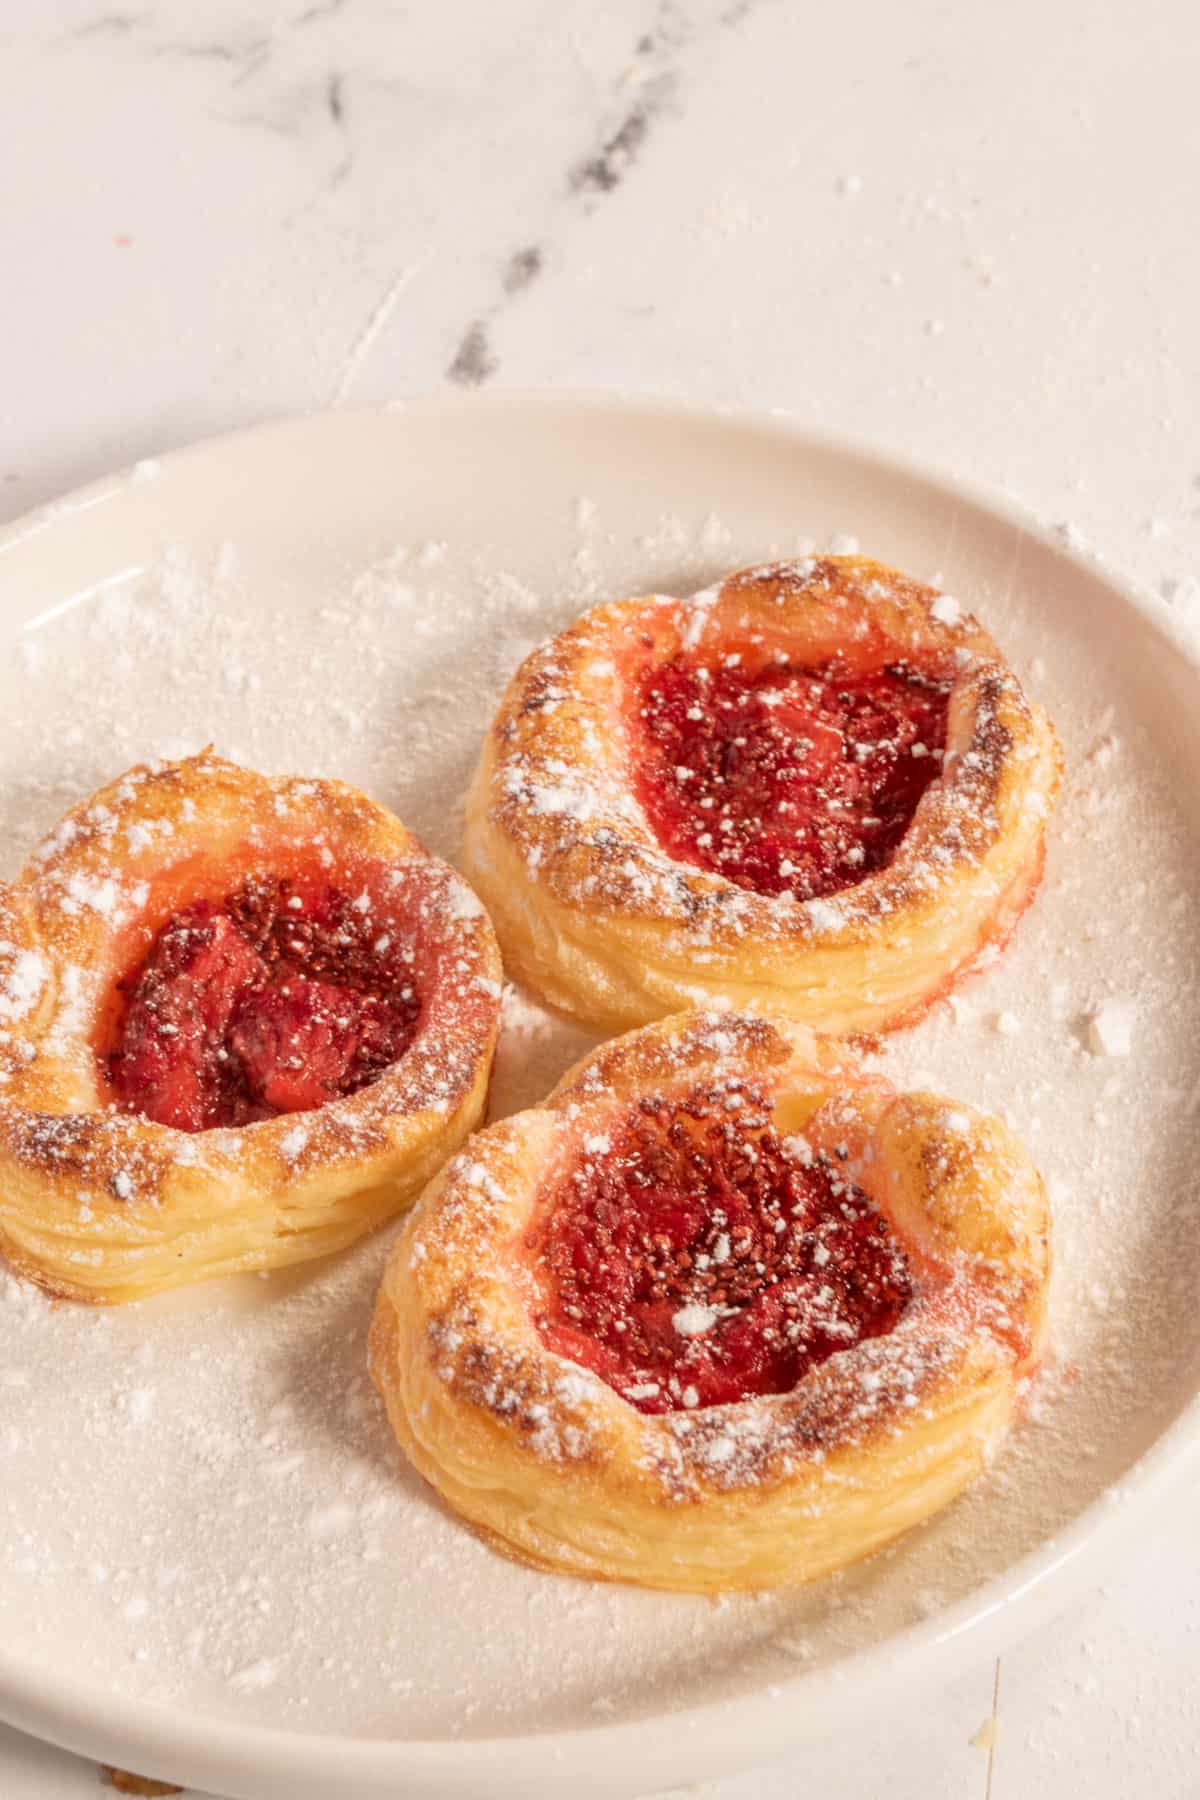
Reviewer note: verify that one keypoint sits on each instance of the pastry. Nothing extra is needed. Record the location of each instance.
(724, 1312)
(242, 1021)
(817, 785)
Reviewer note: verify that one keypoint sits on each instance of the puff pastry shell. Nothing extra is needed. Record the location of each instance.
(556, 1468)
(103, 1205)
(596, 917)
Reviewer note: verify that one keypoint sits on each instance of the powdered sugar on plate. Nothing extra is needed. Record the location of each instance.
(200, 1501)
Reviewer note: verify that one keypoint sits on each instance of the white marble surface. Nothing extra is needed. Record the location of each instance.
(961, 230)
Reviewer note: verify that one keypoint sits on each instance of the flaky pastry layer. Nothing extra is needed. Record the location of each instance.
(103, 1205)
(597, 918)
(558, 1470)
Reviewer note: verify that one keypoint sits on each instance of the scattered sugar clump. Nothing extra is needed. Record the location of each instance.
(1183, 593)
(946, 610)
(825, 914)
(1072, 535)
(715, 534)
(293, 1142)
(26, 978)
(255, 1677)
(1110, 1028)
(694, 1321)
(326, 1522)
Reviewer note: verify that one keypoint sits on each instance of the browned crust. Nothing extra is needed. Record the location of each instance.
(102, 1205)
(580, 889)
(125, 1782)
(535, 1451)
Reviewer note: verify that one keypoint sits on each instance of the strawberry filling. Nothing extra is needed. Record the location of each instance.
(786, 778)
(280, 997)
(695, 1257)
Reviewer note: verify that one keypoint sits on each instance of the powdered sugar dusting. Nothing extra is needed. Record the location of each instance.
(1111, 1027)
(946, 610)
(826, 915)
(693, 1321)
(395, 1620)
(293, 1142)
(26, 977)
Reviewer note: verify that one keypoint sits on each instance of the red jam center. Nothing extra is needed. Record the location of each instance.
(787, 778)
(282, 996)
(699, 1258)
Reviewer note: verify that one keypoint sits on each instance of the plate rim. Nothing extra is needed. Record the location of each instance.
(255, 1761)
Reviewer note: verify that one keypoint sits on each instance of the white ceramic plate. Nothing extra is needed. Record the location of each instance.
(213, 1564)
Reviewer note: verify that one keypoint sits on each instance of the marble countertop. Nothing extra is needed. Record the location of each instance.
(960, 231)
